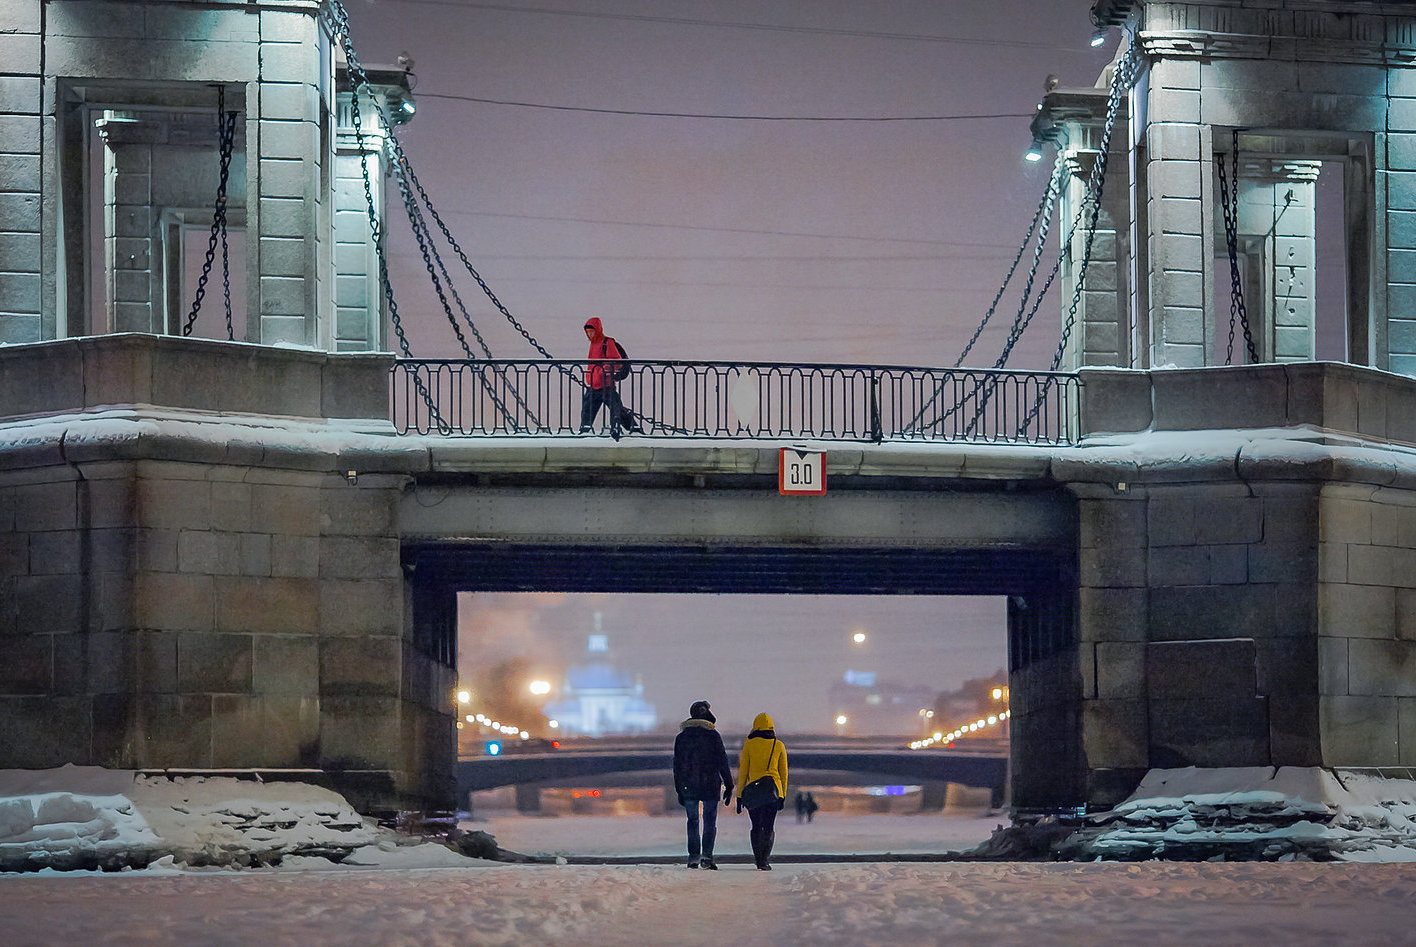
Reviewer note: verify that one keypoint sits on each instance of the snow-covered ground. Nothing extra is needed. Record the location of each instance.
(396, 891)
(1157, 904)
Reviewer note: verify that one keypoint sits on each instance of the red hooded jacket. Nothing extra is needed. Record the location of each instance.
(601, 347)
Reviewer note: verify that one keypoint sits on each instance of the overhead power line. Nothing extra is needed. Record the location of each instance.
(744, 25)
(737, 118)
(742, 230)
(737, 258)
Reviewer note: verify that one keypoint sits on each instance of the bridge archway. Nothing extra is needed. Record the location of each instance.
(1039, 585)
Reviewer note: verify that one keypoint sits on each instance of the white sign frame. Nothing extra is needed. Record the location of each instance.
(803, 473)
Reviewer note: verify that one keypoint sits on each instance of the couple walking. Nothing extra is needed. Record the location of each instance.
(701, 776)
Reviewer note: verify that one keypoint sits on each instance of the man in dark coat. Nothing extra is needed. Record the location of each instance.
(701, 775)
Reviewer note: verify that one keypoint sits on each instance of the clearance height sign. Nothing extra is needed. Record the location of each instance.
(801, 472)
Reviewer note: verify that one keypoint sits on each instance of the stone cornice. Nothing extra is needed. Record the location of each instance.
(146, 433)
(1364, 33)
(1197, 44)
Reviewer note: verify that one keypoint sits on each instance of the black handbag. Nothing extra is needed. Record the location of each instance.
(762, 791)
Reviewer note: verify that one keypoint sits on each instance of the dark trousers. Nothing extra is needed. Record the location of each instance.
(590, 403)
(710, 826)
(762, 833)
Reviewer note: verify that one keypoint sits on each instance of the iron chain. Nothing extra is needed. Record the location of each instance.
(226, 138)
(1229, 205)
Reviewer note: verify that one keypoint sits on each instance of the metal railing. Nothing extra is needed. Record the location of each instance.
(539, 397)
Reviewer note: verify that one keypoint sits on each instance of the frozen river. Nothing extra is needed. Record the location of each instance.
(840, 905)
(828, 834)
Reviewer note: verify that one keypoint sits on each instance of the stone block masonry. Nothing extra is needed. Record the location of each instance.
(186, 588)
(64, 66)
(1250, 536)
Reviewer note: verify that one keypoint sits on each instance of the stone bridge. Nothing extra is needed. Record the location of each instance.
(219, 555)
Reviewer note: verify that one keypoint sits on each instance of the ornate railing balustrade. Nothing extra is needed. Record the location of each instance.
(740, 400)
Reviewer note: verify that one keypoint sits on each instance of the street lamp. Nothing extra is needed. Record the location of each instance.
(858, 637)
(540, 688)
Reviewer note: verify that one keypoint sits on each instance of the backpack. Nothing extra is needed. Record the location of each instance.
(621, 371)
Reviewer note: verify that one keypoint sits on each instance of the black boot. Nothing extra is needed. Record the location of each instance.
(756, 847)
(767, 841)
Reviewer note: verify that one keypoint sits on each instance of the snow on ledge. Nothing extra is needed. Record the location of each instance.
(1258, 813)
(86, 817)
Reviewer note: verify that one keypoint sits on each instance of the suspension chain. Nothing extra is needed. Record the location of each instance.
(359, 79)
(1022, 320)
(1229, 204)
(226, 138)
(1122, 78)
(430, 256)
(339, 19)
(1044, 214)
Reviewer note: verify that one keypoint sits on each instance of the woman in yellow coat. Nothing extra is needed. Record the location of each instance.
(763, 755)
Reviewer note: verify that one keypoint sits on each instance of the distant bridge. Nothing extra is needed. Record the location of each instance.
(920, 766)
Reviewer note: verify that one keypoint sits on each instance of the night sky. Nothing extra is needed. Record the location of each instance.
(742, 653)
(734, 238)
(720, 238)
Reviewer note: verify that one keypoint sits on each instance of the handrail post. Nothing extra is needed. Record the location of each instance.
(876, 434)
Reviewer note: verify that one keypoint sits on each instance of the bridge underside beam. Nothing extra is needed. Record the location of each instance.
(789, 570)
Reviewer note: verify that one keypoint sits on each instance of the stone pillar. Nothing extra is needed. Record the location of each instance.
(1277, 244)
(1178, 172)
(1046, 681)
(932, 796)
(23, 317)
(61, 70)
(1075, 120)
(294, 92)
(127, 225)
(1111, 579)
(225, 594)
(528, 798)
(1322, 80)
(359, 304)
(1252, 606)
(161, 172)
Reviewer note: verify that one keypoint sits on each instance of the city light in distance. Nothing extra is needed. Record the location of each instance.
(858, 637)
(554, 724)
(540, 688)
(992, 720)
(506, 729)
(840, 720)
(464, 696)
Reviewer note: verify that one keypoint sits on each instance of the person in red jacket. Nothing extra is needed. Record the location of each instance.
(600, 382)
